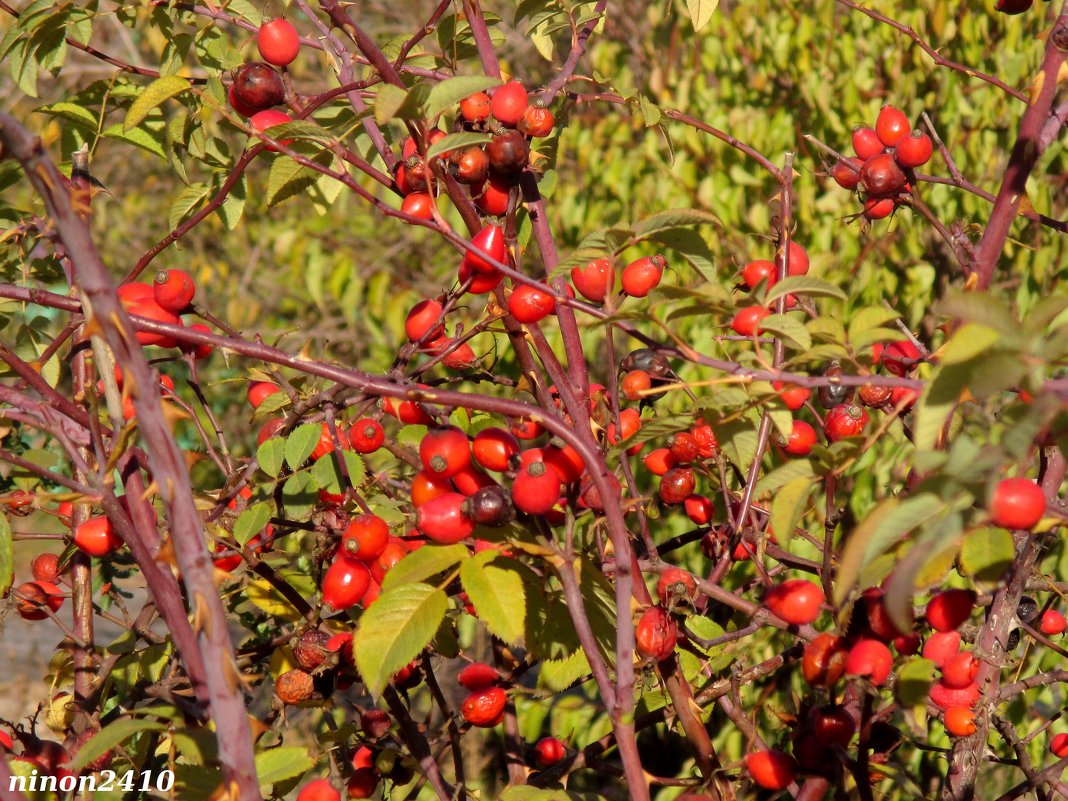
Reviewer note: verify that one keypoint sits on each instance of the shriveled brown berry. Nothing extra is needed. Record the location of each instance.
(310, 649)
(294, 686)
(375, 723)
(875, 397)
(834, 394)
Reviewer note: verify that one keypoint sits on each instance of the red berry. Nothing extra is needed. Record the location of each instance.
(642, 276)
(443, 520)
(45, 567)
(1058, 746)
(823, 661)
(1052, 622)
(549, 751)
(259, 391)
(870, 658)
(747, 320)
(674, 585)
(345, 583)
(705, 437)
(318, 790)
(151, 310)
(278, 42)
(199, 351)
(760, 270)
(536, 489)
(960, 670)
(792, 395)
(634, 383)
(802, 439)
(845, 420)
(878, 208)
(1013, 6)
(699, 509)
(866, 142)
(494, 448)
(173, 290)
(256, 87)
(832, 725)
(892, 125)
(529, 304)
(236, 104)
(509, 103)
(478, 676)
(772, 770)
(566, 461)
(630, 422)
(424, 321)
(264, 120)
(526, 429)
(385, 562)
(476, 107)
(949, 609)
(905, 397)
(419, 205)
(34, 596)
(484, 708)
(941, 646)
(508, 154)
(365, 538)
(845, 176)
(960, 721)
(658, 462)
(366, 435)
(676, 485)
(946, 697)
(490, 240)
(96, 538)
(444, 451)
(684, 447)
(796, 601)
(595, 280)
(656, 634)
(1017, 503)
(914, 150)
(537, 120)
(900, 357)
(493, 196)
(362, 783)
(798, 260)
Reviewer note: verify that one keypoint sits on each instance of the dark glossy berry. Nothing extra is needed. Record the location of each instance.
(1026, 609)
(45, 567)
(258, 86)
(881, 176)
(472, 166)
(491, 506)
(508, 154)
(875, 397)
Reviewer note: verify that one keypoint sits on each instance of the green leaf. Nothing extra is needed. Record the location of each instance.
(7, 555)
(448, 93)
(870, 317)
(527, 793)
(300, 493)
(300, 444)
(155, 93)
(987, 553)
(278, 764)
(884, 525)
(557, 675)
(672, 218)
(787, 506)
(289, 177)
(455, 142)
(388, 99)
(113, 734)
(251, 521)
(969, 341)
(651, 113)
(914, 680)
(430, 560)
(788, 328)
(781, 476)
(270, 455)
(980, 307)
(803, 285)
(188, 199)
(395, 630)
(701, 12)
(497, 594)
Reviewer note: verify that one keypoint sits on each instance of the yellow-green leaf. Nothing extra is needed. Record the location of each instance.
(155, 93)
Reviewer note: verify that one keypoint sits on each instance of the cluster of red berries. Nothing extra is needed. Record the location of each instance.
(169, 296)
(257, 87)
(886, 156)
(490, 170)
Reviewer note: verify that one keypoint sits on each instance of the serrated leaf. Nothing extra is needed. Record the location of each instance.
(650, 112)
(278, 764)
(969, 341)
(986, 554)
(498, 596)
(251, 521)
(781, 476)
(300, 493)
(79, 115)
(421, 564)
(448, 93)
(301, 442)
(395, 630)
(188, 199)
(787, 328)
(289, 177)
(246, 9)
(787, 506)
(455, 142)
(388, 99)
(803, 285)
(154, 94)
(270, 455)
(701, 12)
(7, 555)
(557, 675)
(263, 594)
(109, 737)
